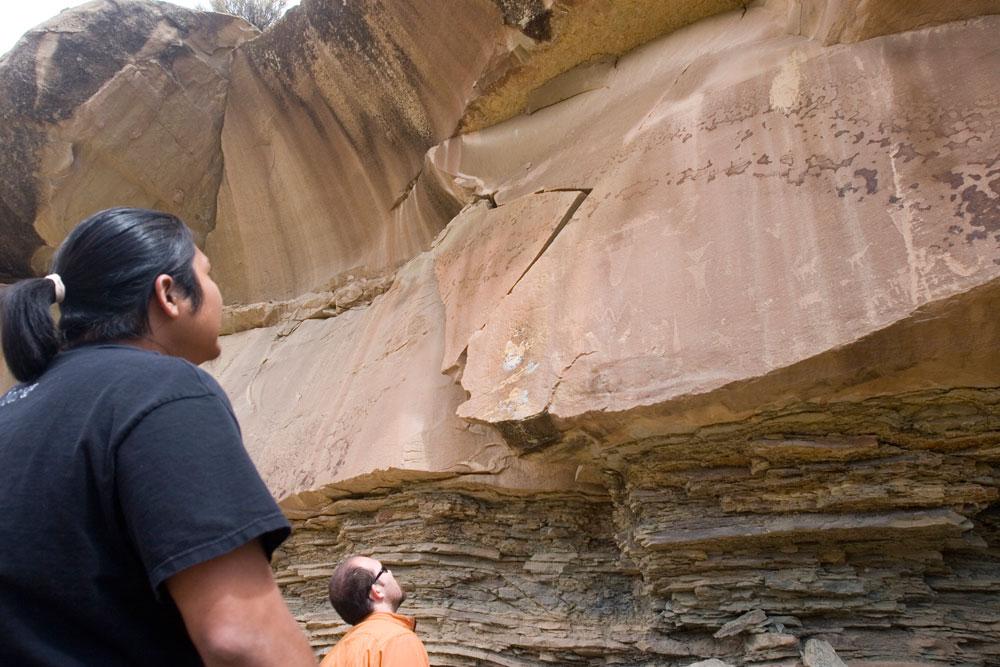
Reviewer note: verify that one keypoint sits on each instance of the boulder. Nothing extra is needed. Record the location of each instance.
(111, 103)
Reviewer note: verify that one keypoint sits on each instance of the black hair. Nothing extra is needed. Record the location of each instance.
(109, 264)
(349, 589)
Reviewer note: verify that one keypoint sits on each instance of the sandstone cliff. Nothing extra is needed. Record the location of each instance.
(625, 332)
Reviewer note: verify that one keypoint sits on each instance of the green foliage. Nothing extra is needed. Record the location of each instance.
(261, 13)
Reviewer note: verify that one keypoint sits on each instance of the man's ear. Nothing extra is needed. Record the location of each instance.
(165, 296)
(376, 593)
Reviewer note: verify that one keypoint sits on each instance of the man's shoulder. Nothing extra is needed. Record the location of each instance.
(352, 649)
(389, 635)
(130, 371)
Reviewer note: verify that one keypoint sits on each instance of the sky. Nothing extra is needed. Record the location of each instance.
(20, 16)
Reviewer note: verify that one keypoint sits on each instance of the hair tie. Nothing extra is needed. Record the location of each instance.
(60, 287)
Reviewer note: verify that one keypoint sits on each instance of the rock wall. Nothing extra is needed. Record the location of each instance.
(623, 332)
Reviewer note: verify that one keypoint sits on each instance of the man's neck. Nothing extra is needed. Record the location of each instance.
(384, 607)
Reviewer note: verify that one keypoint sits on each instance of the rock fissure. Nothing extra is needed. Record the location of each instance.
(555, 232)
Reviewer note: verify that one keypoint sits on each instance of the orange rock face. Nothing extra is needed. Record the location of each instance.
(624, 332)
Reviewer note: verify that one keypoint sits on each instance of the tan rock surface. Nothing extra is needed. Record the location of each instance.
(323, 401)
(484, 254)
(329, 116)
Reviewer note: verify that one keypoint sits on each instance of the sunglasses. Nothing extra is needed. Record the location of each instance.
(380, 573)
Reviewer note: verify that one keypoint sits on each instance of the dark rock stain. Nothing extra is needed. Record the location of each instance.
(817, 164)
(530, 434)
(539, 28)
(844, 189)
(736, 169)
(20, 241)
(342, 25)
(905, 153)
(22, 138)
(372, 85)
(531, 17)
(84, 61)
(871, 179)
(951, 178)
(314, 116)
(982, 208)
(746, 134)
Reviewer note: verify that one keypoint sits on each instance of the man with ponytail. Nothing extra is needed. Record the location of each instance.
(135, 528)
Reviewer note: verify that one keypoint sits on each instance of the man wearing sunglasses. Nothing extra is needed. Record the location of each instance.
(366, 595)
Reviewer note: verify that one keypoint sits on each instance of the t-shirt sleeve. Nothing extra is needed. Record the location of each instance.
(406, 650)
(188, 491)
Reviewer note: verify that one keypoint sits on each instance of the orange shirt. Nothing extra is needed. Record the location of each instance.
(383, 639)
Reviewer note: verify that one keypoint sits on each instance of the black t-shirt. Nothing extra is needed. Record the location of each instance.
(119, 468)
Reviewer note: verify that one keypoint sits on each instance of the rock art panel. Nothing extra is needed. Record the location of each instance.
(833, 21)
(852, 208)
(485, 252)
(113, 103)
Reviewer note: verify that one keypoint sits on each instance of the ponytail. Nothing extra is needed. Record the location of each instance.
(109, 263)
(29, 335)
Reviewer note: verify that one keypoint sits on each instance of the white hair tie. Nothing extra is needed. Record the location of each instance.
(60, 287)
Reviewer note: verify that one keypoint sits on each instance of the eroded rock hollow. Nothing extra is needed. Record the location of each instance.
(625, 332)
